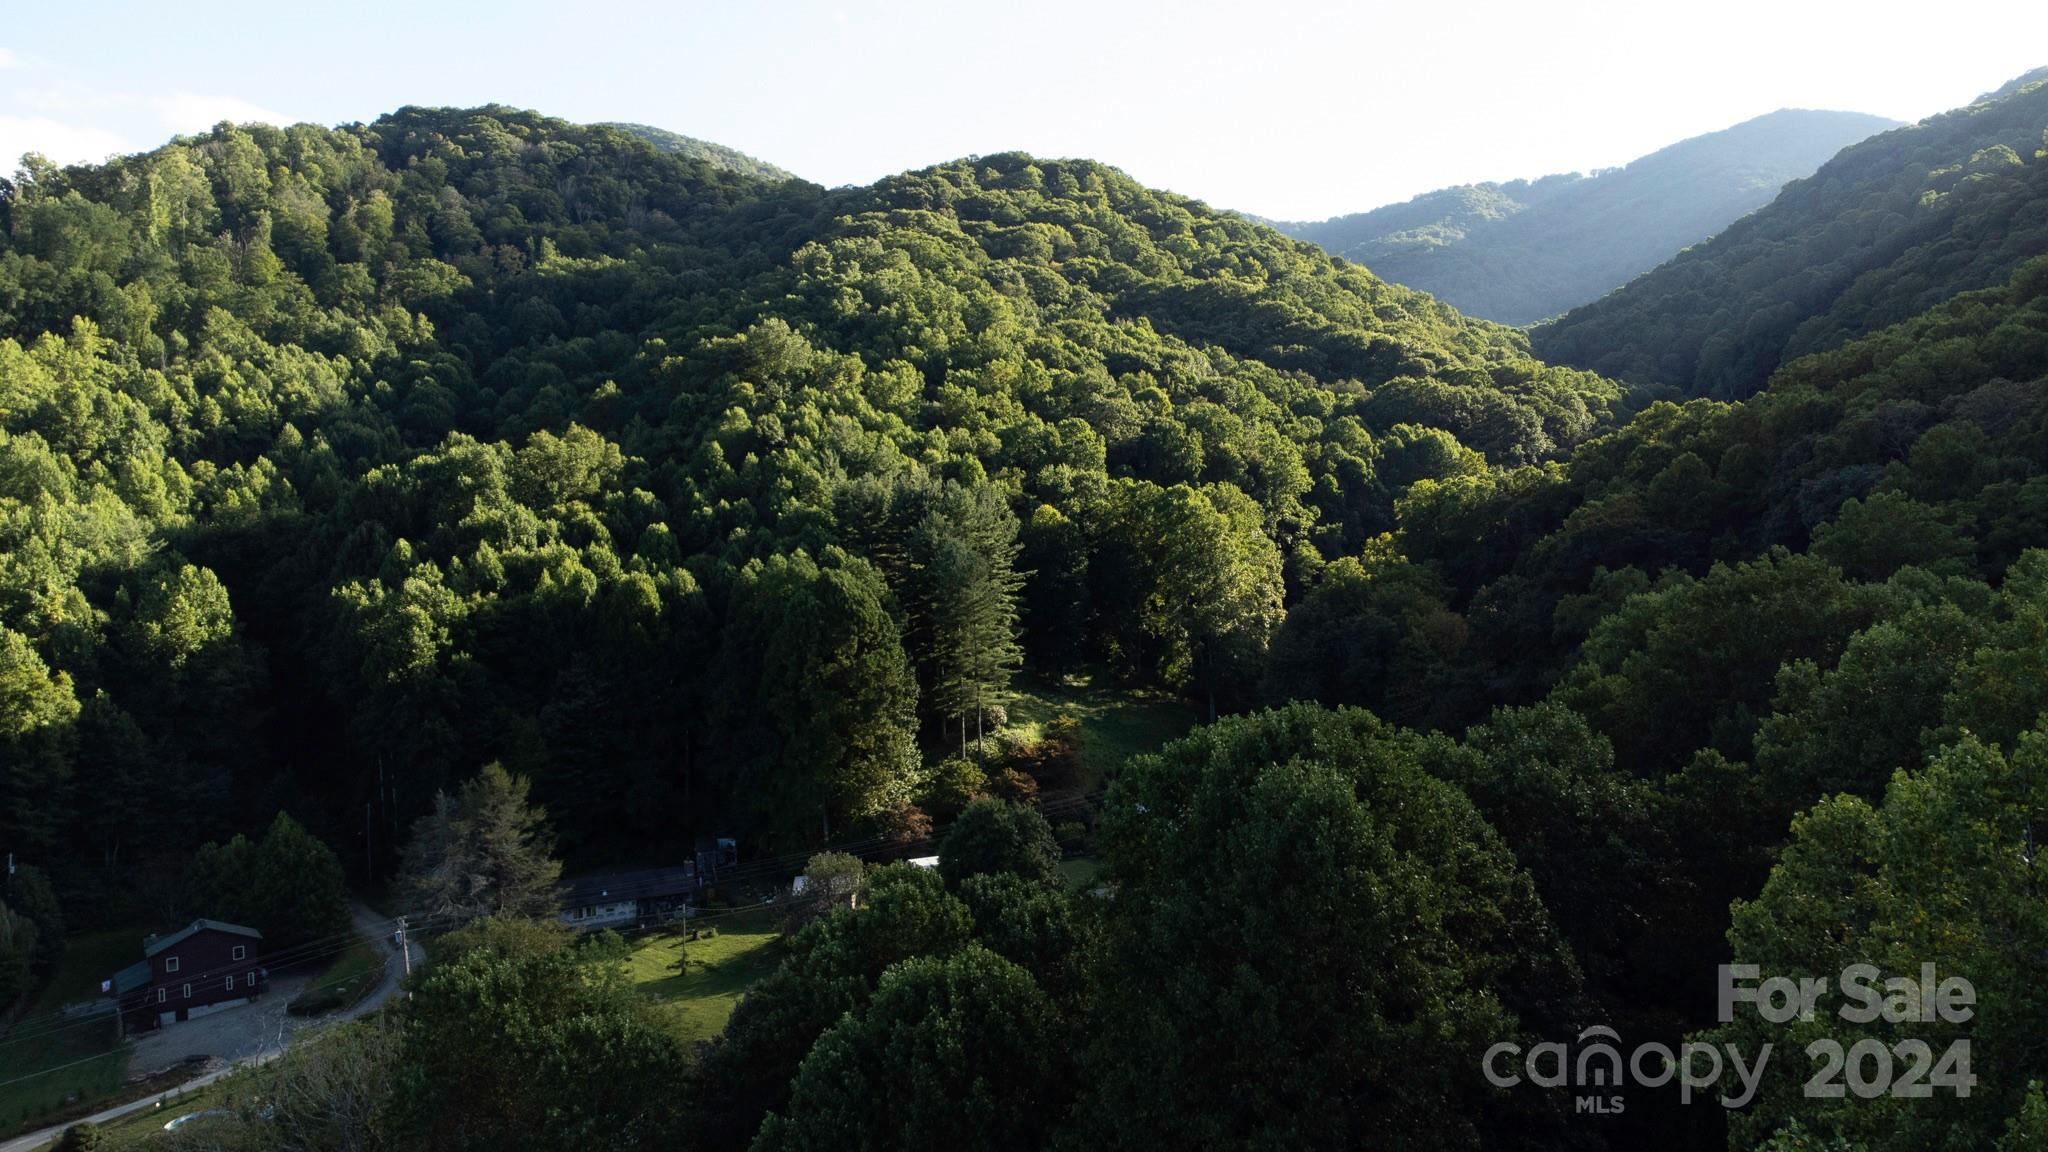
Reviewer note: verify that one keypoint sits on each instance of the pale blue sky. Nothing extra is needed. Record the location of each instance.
(1288, 109)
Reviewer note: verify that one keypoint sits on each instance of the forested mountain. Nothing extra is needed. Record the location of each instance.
(716, 155)
(1882, 232)
(319, 437)
(391, 468)
(1528, 249)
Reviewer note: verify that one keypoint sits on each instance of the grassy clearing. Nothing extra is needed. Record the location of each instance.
(1080, 872)
(700, 1000)
(68, 1063)
(351, 977)
(145, 1128)
(1116, 723)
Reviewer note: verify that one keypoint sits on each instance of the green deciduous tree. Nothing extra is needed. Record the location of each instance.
(37, 709)
(998, 836)
(951, 1052)
(1376, 633)
(534, 1048)
(1257, 865)
(1944, 871)
(832, 880)
(31, 895)
(819, 701)
(1192, 585)
(832, 969)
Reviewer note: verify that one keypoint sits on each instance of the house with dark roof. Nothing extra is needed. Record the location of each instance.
(203, 967)
(628, 899)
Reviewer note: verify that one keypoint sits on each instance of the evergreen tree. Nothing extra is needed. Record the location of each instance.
(971, 601)
(298, 887)
(31, 895)
(287, 885)
(484, 851)
(17, 950)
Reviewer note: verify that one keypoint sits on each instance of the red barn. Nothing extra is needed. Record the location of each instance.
(206, 965)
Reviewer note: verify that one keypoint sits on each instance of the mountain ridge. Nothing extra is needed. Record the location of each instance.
(717, 155)
(1886, 229)
(1519, 251)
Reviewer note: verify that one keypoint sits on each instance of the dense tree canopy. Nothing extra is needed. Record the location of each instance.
(1256, 862)
(470, 466)
(312, 441)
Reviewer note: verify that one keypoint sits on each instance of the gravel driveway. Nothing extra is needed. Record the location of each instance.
(231, 1033)
(242, 1033)
(249, 1034)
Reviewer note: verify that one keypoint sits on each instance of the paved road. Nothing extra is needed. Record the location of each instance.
(246, 1052)
(375, 926)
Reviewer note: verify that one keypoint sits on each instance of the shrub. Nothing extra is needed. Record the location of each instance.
(954, 785)
(1014, 786)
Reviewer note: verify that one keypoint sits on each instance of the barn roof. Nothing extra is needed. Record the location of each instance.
(156, 944)
(132, 977)
(648, 884)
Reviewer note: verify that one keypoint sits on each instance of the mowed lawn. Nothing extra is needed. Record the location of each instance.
(145, 1128)
(50, 1064)
(699, 1000)
(1079, 872)
(1116, 723)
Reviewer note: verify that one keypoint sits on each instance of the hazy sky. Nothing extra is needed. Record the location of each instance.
(1287, 109)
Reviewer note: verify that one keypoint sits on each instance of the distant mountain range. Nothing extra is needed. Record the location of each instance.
(1529, 249)
(1881, 233)
(716, 155)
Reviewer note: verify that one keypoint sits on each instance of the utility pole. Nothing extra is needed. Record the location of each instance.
(405, 951)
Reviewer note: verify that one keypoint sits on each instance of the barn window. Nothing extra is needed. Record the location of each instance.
(161, 993)
(252, 979)
(241, 952)
(188, 991)
(231, 983)
(171, 965)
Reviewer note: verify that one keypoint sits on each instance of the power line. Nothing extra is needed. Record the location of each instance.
(30, 1027)
(1078, 800)
(114, 1052)
(864, 848)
